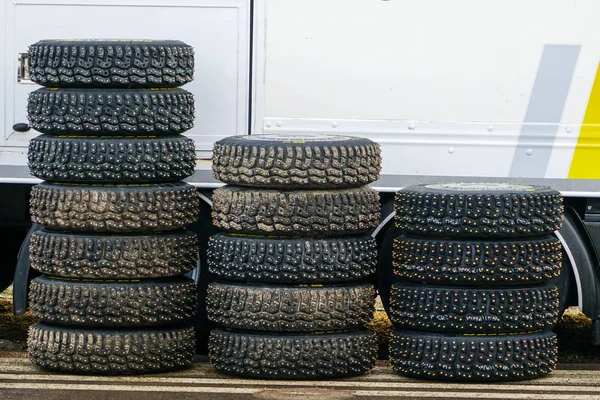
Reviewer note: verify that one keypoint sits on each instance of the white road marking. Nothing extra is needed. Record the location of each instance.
(17, 368)
(233, 390)
(19, 373)
(75, 386)
(480, 395)
(540, 386)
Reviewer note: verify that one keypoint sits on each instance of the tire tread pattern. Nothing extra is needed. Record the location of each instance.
(460, 310)
(476, 215)
(290, 309)
(128, 112)
(283, 165)
(255, 259)
(294, 212)
(111, 64)
(119, 160)
(474, 263)
(112, 304)
(110, 352)
(114, 208)
(82, 256)
(473, 358)
(292, 357)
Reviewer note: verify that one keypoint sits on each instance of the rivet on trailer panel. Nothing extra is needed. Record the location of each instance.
(490, 128)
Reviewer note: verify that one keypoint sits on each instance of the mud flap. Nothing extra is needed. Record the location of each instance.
(595, 332)
(21, 280)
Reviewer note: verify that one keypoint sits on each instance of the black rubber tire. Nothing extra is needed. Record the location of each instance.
(477, 263)
(290, 309)
(105, 257)
(110, 352)
(111, 159)
(120, 112)
(473, 358)
(292, 356)
(295, 212)
(107, 208)
(304, 161)
(477, 210)
(111, 63)
(112, 304)
(459, 310)
(307, 260)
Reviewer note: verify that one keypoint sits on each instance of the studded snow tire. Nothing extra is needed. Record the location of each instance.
(476, 263)
(440, 309)
(295, 212)
(111, 63)
(112, 304)
(305, 161)
(111, 160)
(122, 112)
(473, 358)
(105, 208)
(476, 210)
(307, 260)
(110, 352)
(290, 309)
(96, 256)
(292, 356)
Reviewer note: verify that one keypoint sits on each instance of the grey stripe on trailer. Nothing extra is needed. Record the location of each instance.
(545, 110)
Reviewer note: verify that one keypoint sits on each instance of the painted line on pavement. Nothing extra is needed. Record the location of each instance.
(536, 385)
(111, 388)
(232, 390)
(481, 395)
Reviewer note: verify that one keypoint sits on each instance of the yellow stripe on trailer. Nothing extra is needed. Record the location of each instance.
(586, 159)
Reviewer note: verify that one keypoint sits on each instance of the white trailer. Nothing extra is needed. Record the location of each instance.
(461, 90)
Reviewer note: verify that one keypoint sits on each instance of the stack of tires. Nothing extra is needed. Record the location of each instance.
(113, 248)
(292, 298)
(476, 298)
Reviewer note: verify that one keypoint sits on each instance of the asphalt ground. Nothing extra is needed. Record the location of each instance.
(578, 375)
(19, 379)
